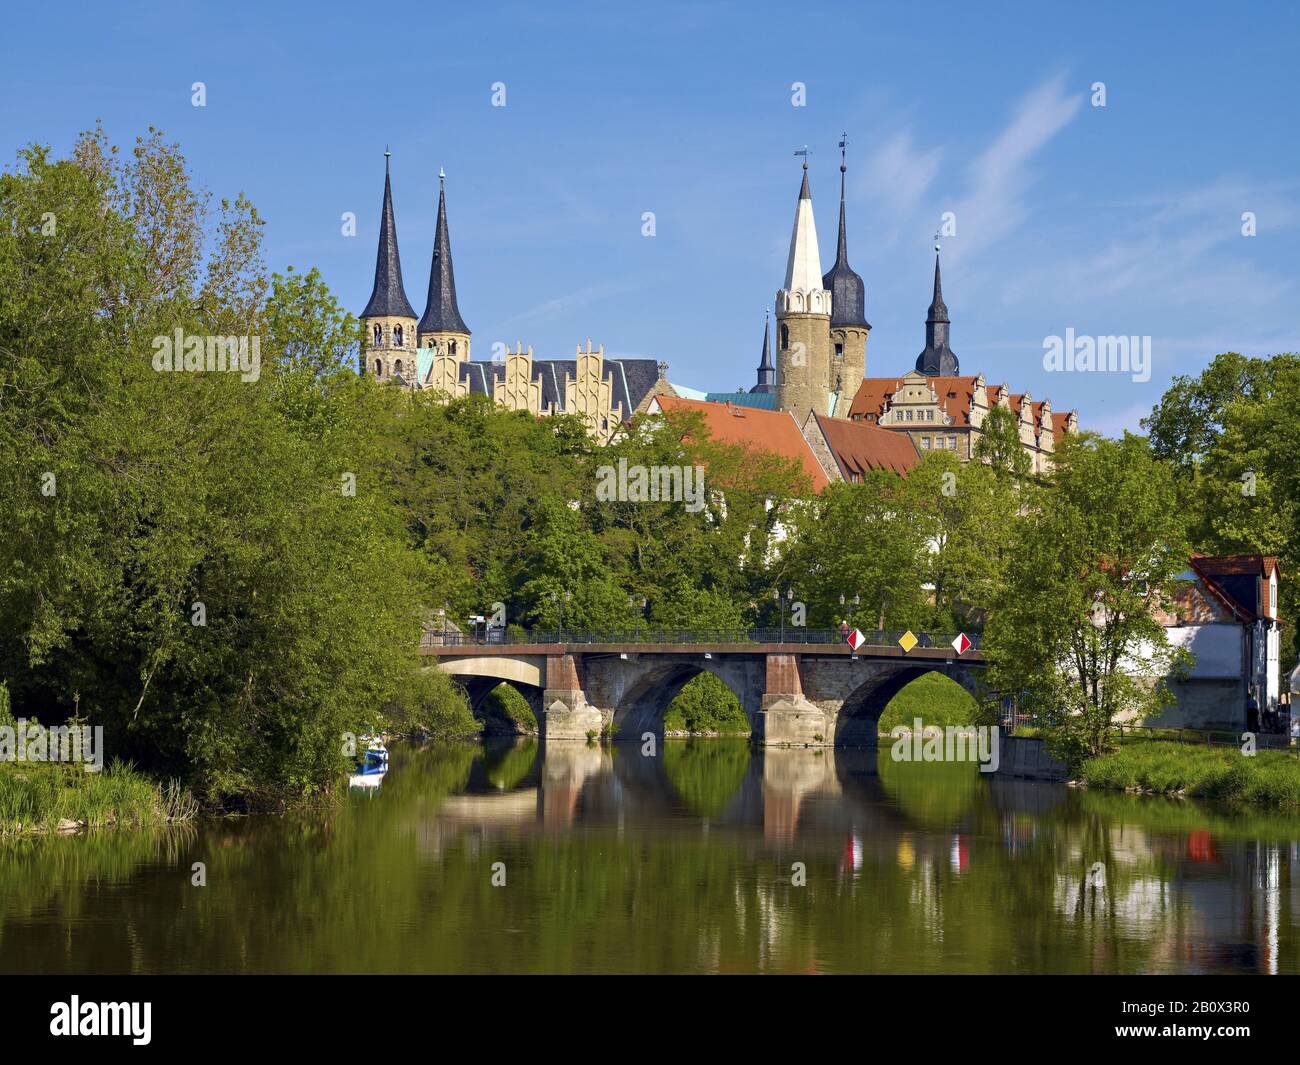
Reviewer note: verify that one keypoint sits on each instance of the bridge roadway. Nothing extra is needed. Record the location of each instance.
(797, 687)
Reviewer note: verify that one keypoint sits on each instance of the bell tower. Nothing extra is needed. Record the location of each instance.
(849, 325)
(389, 349)
(803, 319)
(441, 327)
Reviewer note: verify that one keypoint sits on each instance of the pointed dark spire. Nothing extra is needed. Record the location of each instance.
(938, 359)
(848, 293)
(766, 371)
(388, 298)
(441, 315)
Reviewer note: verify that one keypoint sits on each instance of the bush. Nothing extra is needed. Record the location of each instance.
(431, 702)
(706, 704)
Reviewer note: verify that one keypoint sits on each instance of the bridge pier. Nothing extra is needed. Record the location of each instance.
(566, 714)
(786, 717)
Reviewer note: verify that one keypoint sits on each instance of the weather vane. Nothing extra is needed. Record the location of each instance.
(844, 143)
(804, 151)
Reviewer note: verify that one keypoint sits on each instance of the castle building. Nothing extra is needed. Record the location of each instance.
(434, 352)
(818, 376)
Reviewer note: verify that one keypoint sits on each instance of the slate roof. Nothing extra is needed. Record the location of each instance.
(441, 314)
(848, 293)
(388, 297)
(631, 379)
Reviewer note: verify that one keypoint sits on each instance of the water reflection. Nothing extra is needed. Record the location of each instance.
(683, 862)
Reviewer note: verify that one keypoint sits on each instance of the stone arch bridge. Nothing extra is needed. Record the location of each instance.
(804, 687)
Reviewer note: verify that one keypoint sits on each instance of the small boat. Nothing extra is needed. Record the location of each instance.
(372, 765)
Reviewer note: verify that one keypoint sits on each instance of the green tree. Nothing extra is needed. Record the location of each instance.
(967, 514)
(1099, 549)
(866, 539)
(999, 444)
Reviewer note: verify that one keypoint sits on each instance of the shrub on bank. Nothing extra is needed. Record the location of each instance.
(42, 796)
(1267, 778)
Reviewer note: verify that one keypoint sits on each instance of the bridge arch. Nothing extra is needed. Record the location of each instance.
(858, 722)
(643, 699)
(482, 674)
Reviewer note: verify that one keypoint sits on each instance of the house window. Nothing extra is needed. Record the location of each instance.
(839, 351)
(938, 442)
(909, 415)
(925, 443)
(952, 443)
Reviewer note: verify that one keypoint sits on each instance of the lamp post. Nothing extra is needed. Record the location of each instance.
(853, 605)
(636, 608)
(789, 595)
(559, 601)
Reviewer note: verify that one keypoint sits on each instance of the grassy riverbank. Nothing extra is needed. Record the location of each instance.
(1266, 779)
(47, 797)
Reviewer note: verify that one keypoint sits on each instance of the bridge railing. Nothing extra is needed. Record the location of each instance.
(686, 637)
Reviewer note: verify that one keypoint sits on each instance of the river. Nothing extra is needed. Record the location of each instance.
(708, 857)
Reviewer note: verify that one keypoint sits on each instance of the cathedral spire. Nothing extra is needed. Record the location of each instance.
(848, 293)
(938, 359)
(441, 314)
(766, 371)
(388, 298)
(803, 271)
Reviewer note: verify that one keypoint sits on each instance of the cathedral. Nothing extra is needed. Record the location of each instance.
(848, 422)
(434, 352)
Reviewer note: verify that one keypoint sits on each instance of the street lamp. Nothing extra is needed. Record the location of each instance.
(852, 606)
(636, 609)
(789, 595)
(559, 601)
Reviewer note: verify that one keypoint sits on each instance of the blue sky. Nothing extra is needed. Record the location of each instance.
(1117, 220)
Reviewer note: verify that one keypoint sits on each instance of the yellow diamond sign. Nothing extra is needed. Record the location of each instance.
(907, 641)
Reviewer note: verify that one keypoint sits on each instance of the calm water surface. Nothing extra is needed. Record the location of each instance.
(615, 862)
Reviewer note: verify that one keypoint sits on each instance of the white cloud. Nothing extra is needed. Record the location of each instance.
(1000, 176)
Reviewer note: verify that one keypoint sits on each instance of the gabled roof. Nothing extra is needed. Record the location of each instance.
(752, 428)
(1233, 579)
(859, 447)
(958, 395)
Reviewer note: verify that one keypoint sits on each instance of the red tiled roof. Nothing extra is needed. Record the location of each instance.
(957, 394)
(860, 446)
(754, 428)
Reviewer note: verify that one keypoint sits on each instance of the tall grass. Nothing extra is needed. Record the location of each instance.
(39, 796)
(1266, 778)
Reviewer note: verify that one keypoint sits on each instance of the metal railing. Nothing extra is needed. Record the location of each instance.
(686, 637)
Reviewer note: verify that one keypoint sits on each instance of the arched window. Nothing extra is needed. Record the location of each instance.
(379, 335)
(453, 347)
(379, 367)
(785, 336)
(397, 366)
(397, 336)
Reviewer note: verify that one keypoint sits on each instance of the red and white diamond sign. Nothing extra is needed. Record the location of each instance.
(855, 640)
(961, 644)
